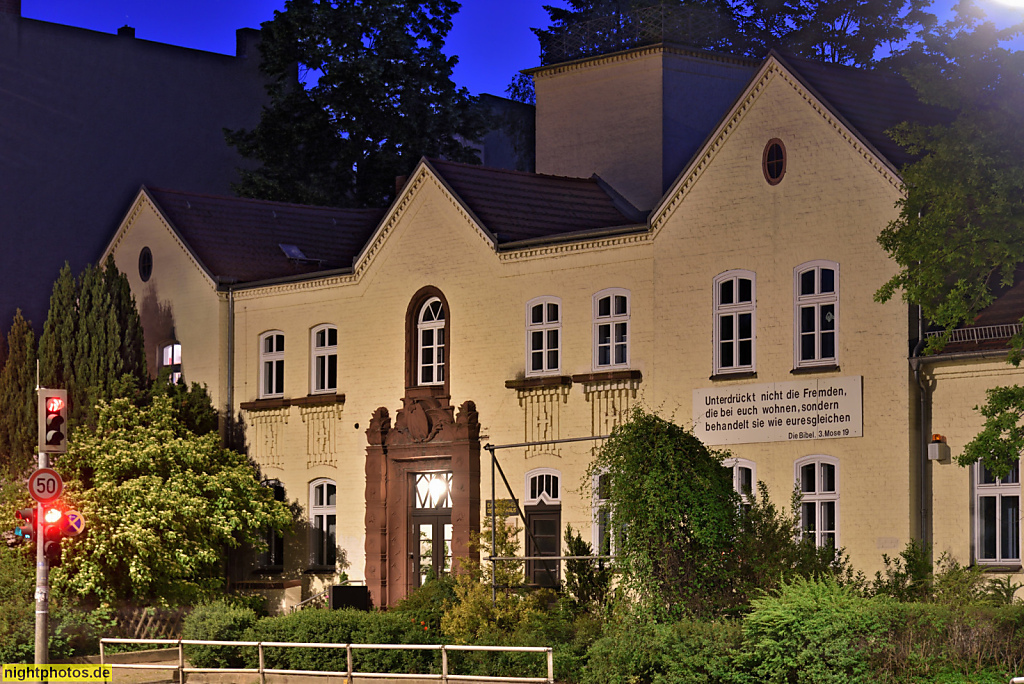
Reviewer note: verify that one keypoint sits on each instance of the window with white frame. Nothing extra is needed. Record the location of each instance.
(273, 557)
(323, 519)
(430, 343)
(997, 516)
(818, 479)
(543, 335)
(744, 478)
(734, 338)
(324, 354)
(816, 313)
(603, 543)
(272, 364)
(543, 486)
(170, 358)
(611, 329)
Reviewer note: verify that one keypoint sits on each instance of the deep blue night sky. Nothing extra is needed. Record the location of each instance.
(492, 38)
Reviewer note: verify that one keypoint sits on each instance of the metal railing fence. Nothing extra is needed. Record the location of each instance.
(444, 676)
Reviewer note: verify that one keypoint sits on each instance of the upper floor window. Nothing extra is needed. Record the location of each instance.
(816, 313)
(430, 328)
(323, 518)
(543, 335)
(325, 359)
(602, 538)
(818, 478)
(170, 358)
(272, 364)
(611, 329)
(997, 516)
(734, 339)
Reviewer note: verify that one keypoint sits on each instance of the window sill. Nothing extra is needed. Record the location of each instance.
(744, 375)
(267, 584)
(824, 368)
(997, 568)
(538, 382)
(311, 400)
(321, 570)
(607, 376)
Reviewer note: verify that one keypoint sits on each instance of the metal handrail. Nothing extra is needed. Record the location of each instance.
(312, 600)
(979, 333)
(263, 671)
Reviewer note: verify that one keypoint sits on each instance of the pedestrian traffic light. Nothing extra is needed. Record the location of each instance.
(53, 532)
(53, 419)
(26, 528)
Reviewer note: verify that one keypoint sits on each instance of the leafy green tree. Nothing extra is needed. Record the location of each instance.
(92, 342)
(18, 432)
(164, 508)
(959, 236)
(676, 503)
(1001, 440)
(378, 95)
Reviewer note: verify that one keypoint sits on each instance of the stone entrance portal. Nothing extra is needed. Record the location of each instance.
(422, 492)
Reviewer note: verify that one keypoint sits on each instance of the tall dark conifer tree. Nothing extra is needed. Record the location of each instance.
(378, 95)
(18, 399)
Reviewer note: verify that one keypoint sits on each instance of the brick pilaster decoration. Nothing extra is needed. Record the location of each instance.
(375, 517)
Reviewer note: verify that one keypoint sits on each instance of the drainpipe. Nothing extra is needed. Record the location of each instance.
(915, 363)
(230, 283)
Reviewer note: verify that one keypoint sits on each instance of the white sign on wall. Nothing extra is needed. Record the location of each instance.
(825, 408)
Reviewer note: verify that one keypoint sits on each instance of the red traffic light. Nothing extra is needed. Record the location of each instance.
(54, 405)
(53, 417)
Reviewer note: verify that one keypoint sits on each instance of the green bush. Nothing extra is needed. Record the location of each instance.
(813, 632)
(217, 621)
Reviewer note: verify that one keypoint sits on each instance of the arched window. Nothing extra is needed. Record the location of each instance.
(818, 479)
(734, 305)
(611, 329)
(272, 364)
(544, 521)
(324, 354)
(744, 477)
(543, 335)
(430, 335)
(323, 523)
(170, 358)
(816, 313)
(543, 486)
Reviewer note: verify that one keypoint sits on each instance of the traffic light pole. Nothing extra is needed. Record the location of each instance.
(42, 580)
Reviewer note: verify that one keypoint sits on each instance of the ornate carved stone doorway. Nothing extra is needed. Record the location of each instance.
(427, 443)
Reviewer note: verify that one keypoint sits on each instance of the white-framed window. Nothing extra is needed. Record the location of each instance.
(543, 335)
(433, 489)
(818, 479)
(601, 535)
(430, 345)
(997, 516)
(273, 557)
(170, 357)
(272, 364)
(543, 486)
(611, 329)
(734, 320)
(815, 313)
(744, 477)
(323, 523)
(324, 353)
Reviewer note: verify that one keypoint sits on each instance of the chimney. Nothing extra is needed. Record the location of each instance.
(12, 7)
(247, 42)
(126, 31)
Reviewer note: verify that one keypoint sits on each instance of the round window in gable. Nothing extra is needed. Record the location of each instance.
(773, 161)
(145, 264)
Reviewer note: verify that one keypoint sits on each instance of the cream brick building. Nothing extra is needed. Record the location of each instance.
(700, 239)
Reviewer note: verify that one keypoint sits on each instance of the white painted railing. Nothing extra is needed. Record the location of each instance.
(262, 671)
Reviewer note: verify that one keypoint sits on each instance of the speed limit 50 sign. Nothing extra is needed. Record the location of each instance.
(45, 485)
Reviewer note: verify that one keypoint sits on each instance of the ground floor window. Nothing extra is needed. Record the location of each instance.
(545, 539)
(997, 516)
(323, 520)
(431, 525)
(273, 557)
(818, 478)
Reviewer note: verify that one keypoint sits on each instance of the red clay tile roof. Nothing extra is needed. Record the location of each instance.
(515, 205)
(239, 239)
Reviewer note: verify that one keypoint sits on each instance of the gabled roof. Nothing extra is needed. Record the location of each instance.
(240, 239)
(994, 326)
(870, 101)
(515, 205)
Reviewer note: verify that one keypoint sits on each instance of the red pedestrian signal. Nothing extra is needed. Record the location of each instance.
(53, 533)
(53, 419)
